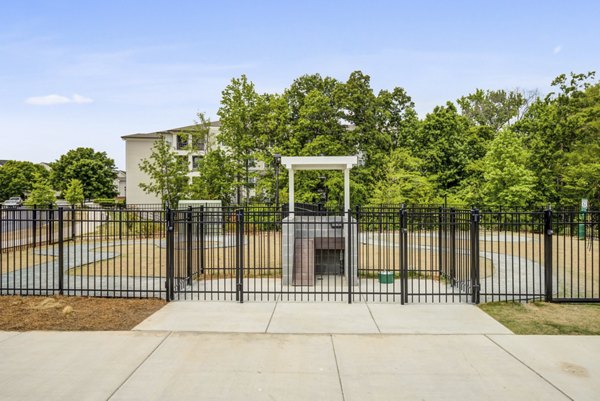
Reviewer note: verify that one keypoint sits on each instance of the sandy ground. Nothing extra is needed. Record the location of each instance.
(576, 262)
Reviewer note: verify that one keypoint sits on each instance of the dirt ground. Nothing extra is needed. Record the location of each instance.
(74, 313)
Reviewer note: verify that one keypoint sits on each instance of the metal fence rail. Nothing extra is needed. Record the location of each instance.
(260, 252)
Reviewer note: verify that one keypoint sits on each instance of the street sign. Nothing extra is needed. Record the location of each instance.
(584, 205)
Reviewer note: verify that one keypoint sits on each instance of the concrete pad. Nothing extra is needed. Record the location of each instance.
(5, 335)
(71, 365)
(435, 319)
(210, 317)
(193, 366)
(571, 363)
(425, 367)
(322, 318)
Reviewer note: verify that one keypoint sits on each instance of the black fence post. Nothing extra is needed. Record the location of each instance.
(548, 254)
(61, 252)
(403, 255)
(201, 235)
(239, 243)
(73, 222)
(358, 255)
(169, 284)
(475, 286)
(188, 244)
(440, 237)
(34, 224)
(452, 246)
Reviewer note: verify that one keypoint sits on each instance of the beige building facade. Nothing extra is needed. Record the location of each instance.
(139, 147)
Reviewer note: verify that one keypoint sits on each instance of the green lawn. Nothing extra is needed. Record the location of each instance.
(546, 318)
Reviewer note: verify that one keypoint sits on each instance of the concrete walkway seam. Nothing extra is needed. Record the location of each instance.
(337, 367)
(529, 367)
(139, 366)
(373, 317)
(271, 318)
(13, 336)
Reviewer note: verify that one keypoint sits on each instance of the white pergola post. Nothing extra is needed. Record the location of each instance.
(291, 189)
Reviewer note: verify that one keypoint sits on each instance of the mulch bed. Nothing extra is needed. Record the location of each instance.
(74, 313)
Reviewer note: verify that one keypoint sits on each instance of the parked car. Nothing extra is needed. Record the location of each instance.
(15, 201)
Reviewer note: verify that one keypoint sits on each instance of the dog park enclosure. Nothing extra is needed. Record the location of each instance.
(427, 254)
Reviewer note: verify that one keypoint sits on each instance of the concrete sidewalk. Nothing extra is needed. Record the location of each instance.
(322, 318)
(155, 365)
(301, 351)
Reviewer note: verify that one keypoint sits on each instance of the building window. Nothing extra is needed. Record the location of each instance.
(196, 160)
(198, 144)
(182, 142)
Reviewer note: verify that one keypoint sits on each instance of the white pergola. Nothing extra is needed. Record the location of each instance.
(344, 163)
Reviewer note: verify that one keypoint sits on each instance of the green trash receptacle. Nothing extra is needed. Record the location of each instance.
(386, 277)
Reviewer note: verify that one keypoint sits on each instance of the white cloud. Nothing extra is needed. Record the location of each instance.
(51, 100)
(557, 49)
(81, 99)
(47, 100)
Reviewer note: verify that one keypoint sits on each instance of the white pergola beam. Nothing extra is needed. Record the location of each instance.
(344, 163)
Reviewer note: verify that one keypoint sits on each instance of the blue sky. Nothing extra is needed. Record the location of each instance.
(84, 73)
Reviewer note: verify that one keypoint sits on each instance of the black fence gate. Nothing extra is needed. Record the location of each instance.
(377, 255)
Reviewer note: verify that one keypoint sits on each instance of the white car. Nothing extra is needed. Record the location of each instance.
(15, 201)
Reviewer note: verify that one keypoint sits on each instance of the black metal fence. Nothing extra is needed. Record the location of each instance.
(254, 253)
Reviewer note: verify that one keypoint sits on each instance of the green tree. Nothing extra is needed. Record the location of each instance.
(167, 173)
(581, 175)
(507, 180)
(272, 131)
(396, 117)
(581, 165)
(404, 182)
(197, 137)
(41, 194)
(555, 126)
(95, 170)
(238, 116)
(74, 192)
(216, 179)
(17, 178)
(492, 108)
(442, 143)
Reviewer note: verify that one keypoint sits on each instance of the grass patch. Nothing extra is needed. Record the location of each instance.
(546, 318)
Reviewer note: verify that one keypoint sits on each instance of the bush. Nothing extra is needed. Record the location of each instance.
(106, 202)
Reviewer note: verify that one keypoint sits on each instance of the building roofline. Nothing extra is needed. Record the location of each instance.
(156, 135)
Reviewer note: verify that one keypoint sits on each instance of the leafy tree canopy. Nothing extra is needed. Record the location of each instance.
(17, 178)
(74, 192)
(41, 194)
(404, 182)
(216, 178)
(95, 170)
(167, 173)
(492, 108)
